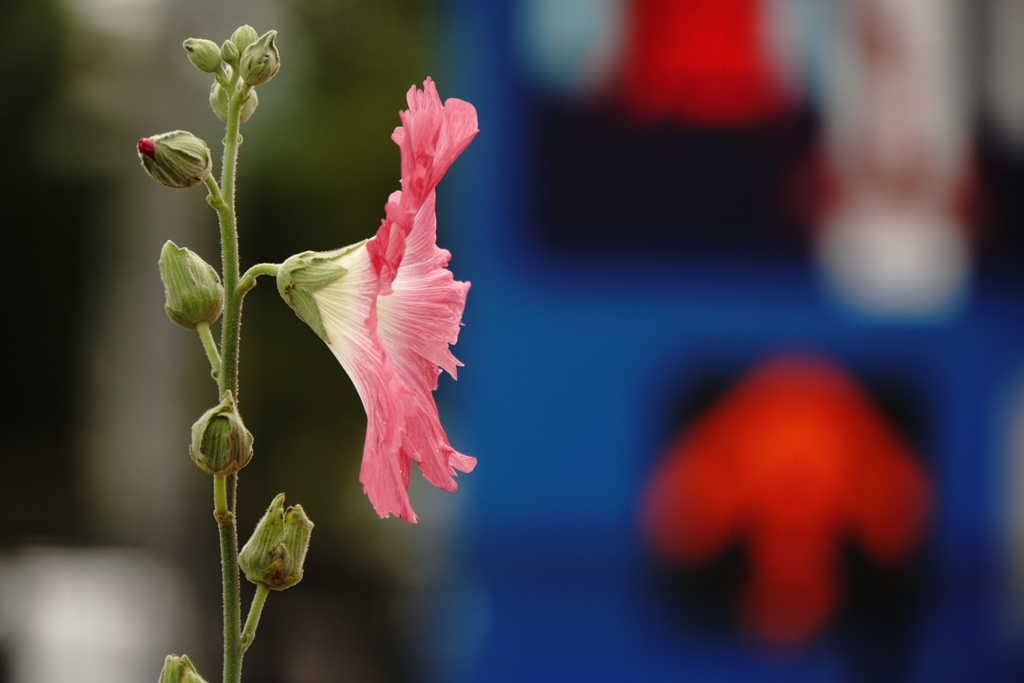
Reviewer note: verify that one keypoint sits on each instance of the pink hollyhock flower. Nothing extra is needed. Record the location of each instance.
(388, 309)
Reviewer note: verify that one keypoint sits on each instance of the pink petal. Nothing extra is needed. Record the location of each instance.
(423, 311)
(388, 246)
(431, 137)
(392, 315)
(348, 310)
(417, 321)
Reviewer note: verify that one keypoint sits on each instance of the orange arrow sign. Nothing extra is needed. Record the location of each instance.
(792, 461)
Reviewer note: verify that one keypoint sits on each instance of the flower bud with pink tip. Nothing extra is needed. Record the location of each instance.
(177, 159)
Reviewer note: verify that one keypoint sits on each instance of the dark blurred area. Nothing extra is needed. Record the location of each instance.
(743, 350)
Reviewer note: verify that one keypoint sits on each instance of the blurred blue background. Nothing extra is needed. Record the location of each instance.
(664, 196)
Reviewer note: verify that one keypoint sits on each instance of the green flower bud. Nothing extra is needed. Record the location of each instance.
(260, 61)
(204, 54)
(219, 100)
(229, 52)
(192, 287)
(249, 106)
(176, 159)
(220, 442)
(243, 37)
(275, 553)
(179, 670)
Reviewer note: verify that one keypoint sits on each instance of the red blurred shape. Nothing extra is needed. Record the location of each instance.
(700, 61)
(793, 460)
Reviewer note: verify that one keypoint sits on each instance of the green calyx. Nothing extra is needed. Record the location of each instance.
(243, 37)
(192, 287)
(261, 64)
(179, 670)
(229, 52)
(177, 159)
(260, 60)
(204, 54)
(274, 554)
(220, 442)
(302, 275)
(220, 98)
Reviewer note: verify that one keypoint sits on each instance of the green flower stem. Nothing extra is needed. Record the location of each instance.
(223, 200)
(248, 280)
(232, 322)
(249, 633)
(214, 199)
(210, 346)
(223, 502)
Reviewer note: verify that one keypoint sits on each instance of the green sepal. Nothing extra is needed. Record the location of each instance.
(260, 61)
(275, 553)
(179, 670)
(302, 275)
(192, 288)
(243, 37)
(249, 105)
(219, 100)
(229, 52)
(177, 159)
(204, 54)
(221, 444)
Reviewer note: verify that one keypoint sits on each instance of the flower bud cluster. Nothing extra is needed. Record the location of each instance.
(254, 56)
(244, 61)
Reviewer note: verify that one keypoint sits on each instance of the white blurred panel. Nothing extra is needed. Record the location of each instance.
(88, 615)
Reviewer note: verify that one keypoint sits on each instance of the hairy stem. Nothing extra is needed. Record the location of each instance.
(210, 346)
(225, 487)
(223, 502)
(249, 633)
(231, 325)
(248, 280)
